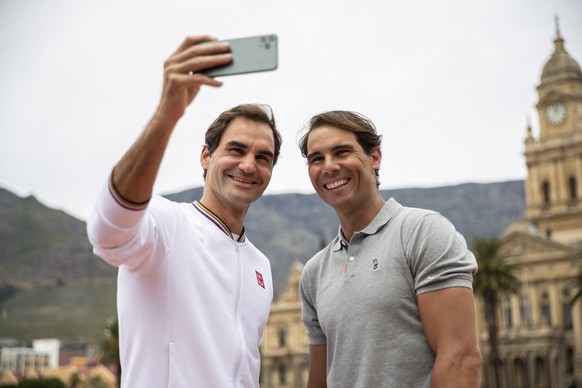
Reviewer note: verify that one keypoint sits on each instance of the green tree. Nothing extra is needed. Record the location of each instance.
(42, 383)
(95, 382)
(109, 346)
(75, 380)
(495, 277)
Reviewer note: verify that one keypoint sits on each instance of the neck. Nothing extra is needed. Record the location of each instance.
(232, 217)
(358, 217)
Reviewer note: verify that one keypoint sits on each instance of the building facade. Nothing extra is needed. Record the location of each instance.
(540, 333)
(284, 350)
(540, 336)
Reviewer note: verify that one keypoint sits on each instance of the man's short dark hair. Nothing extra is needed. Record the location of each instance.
(260, 113)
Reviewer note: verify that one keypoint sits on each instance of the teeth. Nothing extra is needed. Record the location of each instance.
(336, 184)
(241, 180)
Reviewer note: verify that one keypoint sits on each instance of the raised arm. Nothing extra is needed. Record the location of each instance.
(133, 177)
(448, 317)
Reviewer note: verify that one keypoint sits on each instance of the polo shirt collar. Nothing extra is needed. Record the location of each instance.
(390, 208)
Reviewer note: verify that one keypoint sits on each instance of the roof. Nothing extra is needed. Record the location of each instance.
(561, 66)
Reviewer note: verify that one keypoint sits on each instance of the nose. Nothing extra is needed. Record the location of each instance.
(330, 165)
(248, 165)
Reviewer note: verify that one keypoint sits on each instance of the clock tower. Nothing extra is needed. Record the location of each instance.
(554, 160)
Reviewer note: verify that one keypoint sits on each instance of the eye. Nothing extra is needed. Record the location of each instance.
(237, 150)
(314, 159)
(264, 158)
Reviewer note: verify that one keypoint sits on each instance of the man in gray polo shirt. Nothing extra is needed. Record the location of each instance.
(389, 302)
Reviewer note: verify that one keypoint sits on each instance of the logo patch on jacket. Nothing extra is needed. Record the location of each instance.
(260, 280)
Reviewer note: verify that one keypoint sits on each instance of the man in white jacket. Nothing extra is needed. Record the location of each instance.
(193, 293)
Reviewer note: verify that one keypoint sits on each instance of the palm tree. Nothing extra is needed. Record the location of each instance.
(110, 346)
(495, 277)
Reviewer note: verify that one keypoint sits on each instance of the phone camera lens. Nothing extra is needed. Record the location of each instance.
(267, 45)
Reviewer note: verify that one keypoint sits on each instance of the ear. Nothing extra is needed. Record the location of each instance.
(376, 157)
(204, 156)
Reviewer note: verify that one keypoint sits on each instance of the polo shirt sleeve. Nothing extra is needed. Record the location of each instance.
(438, 255)
(307, 289)
(126, 237)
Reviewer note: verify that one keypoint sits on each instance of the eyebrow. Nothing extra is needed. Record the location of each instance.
(234, 143)
(333, 149)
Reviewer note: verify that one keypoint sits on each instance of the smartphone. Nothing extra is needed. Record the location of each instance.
(249, 55)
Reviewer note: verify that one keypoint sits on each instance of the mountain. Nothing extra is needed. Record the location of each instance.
(51, 284)
(39, 244)
(290, 227)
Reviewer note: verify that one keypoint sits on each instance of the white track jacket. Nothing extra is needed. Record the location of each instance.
(192, 302)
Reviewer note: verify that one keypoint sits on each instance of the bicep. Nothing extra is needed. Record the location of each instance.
(317, 366)
(448, 318)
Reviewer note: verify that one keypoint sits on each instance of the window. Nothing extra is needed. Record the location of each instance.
(570, 361)
(525, 310)
(282, 375)
(572, 189)
(546, 193)
(567, 309)
(520, 373)
(540, 373)
(546, 311)
(282, 338)
(506, 307)
(567, 315)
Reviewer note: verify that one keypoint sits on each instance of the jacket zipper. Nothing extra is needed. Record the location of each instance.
(237, 314)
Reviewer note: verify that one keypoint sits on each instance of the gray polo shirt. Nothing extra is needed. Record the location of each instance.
(360, 298)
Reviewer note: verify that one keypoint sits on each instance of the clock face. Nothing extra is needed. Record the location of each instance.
(556, 113)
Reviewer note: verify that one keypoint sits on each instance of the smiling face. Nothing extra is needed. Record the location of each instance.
(240, 168)
(341, 172)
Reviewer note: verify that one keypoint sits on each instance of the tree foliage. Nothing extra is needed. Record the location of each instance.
(42, 383)
(495, 277)
(109, 346)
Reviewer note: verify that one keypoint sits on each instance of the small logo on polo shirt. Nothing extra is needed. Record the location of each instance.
(260, 280)
(375, 264)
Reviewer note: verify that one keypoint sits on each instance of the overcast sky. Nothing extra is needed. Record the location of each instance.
(450, 85)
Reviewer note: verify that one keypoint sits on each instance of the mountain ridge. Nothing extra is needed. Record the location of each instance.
(51, 284)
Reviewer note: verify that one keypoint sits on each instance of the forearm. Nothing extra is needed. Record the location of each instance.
(133, 177)
(135, 174)
(317, 377)
(463, 372)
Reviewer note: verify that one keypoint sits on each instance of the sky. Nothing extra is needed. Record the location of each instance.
(450, 85)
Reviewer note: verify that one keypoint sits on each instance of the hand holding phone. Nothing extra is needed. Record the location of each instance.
(249, 55)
